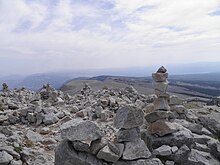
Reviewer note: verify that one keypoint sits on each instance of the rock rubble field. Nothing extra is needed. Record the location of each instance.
(106, 127)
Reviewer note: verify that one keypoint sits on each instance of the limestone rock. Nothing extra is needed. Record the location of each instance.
(161, 87)
(161, 104)
(108, 155)
(135, 150)
(78, 129)
(50, 118)
(126, 135)
(151, 161)
(81, 146)
(5, 158)
(200, 157)
(33, 136)
(157, 115)
(175, 100)
(162, 70)
(16, 162)
(163, 150)
(66, 155)
(128, 117)
(162, 128)
(181, 155)
(160, 77)
(180, 109)
(168, 162)
(179, 138)
(97, 145)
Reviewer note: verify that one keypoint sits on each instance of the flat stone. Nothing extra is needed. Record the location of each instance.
(128, 117)
(162, 128)
(161, 104)
(126, 135)
(80, 130)
(135, 150)
(156, 115)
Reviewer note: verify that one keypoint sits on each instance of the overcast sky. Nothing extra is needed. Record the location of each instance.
(47, 35)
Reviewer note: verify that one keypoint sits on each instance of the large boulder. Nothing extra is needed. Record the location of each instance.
(129, 117)
(80, 130)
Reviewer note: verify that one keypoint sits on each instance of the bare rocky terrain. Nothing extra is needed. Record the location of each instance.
(107, 125)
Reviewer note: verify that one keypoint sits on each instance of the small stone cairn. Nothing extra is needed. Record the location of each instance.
(5, 87)
(158, 119)
(83, 139)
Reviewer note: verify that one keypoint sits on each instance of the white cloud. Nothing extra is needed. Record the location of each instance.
(106, 34)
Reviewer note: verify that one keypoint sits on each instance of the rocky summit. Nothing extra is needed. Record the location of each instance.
(106, 127)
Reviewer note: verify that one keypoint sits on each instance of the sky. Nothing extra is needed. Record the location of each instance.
(48, 35)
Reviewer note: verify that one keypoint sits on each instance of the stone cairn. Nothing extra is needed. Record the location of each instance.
(5, 87)
(83, 139)
(158, 119)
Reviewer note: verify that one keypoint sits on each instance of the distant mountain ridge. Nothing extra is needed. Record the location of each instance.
(176, 72)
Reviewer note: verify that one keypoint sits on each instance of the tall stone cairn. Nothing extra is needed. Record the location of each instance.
(158, 119)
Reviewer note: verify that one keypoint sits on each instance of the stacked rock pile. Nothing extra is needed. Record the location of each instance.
(85, 139)
(158, 119)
